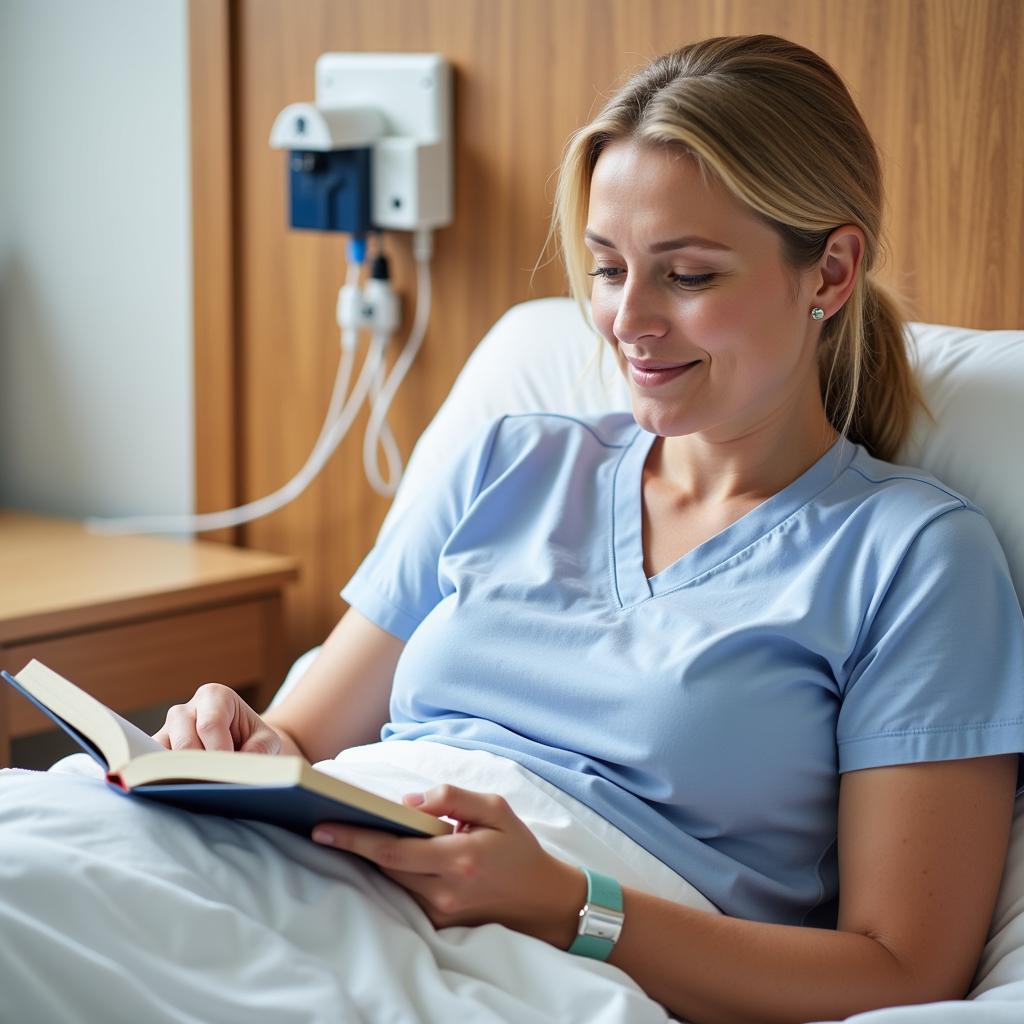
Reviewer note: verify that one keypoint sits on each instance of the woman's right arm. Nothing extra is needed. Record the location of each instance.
(341, 701)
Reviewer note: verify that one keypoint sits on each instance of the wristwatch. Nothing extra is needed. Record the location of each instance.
(600, 918)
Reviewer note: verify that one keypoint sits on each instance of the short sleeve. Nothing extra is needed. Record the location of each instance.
(397, 584)
(939, 674)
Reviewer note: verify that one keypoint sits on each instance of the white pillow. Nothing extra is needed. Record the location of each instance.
(973, 382)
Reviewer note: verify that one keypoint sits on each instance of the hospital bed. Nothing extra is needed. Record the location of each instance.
(258, 924)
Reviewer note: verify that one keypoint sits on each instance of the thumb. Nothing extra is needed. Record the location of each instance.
(464, 805)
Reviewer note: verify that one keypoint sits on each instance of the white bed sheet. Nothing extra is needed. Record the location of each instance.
(114, 909)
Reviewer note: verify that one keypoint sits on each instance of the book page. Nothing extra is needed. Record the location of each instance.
(138, 741)
(101, 731)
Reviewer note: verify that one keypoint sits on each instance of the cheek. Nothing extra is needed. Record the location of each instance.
(713, 322)
(602, 311)
(725, 315)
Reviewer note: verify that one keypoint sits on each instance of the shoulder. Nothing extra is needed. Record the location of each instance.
(902, 490)
(912, 538)
(897, 506)
(878, 522)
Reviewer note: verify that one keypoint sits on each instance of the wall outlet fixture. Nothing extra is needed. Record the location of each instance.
(396, 106)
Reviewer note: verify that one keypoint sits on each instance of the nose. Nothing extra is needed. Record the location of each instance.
(637, 316)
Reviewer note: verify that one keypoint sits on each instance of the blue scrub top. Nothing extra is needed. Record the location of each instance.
(862, 616)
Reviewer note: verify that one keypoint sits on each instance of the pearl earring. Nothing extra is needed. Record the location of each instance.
(817, 313)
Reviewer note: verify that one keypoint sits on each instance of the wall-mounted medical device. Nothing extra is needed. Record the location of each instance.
(372, 153)
(374, 149)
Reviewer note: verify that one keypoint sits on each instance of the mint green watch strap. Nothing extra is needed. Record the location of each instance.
(601, 917)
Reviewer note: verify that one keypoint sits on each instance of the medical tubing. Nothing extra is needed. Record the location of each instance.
(392, 456)
(349, 330)
(422, 248)
(349, 340)
(342, 379)
(328, 441)
(331, 433)
(385, 309)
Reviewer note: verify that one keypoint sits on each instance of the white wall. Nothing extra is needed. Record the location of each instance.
(95, 257)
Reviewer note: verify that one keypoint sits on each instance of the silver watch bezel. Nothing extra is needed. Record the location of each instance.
(599, 922)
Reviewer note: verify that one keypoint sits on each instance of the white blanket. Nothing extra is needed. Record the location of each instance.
(114, 909)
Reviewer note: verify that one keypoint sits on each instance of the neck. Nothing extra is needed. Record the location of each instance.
(752, 466)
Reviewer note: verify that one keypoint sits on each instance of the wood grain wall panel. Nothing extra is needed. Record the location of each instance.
(939, 82)
(214, 294)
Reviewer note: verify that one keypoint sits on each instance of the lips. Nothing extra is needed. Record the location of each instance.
(651, 374)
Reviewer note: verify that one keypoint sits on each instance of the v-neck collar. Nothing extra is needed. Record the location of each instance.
(631, 582)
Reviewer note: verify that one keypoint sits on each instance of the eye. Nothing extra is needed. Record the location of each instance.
(692, 280)
(686, 281)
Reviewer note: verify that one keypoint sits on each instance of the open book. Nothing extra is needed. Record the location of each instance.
(282, 790)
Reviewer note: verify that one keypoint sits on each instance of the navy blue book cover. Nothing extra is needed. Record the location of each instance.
(289, 806)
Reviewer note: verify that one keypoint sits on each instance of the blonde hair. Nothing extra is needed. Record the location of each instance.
(775, 125)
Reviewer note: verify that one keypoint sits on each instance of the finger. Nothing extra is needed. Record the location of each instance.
(181, 729)
(393, 853)
(214, 716)
(466, 806)
(162, 738)
(212, 730)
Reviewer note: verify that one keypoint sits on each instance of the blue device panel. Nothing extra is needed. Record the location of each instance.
(330, 191)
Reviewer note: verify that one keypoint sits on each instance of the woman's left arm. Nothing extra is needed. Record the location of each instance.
(921, 854)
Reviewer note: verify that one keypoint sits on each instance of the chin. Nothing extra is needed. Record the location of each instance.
(660, 422)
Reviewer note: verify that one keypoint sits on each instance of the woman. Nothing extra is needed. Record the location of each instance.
(724, 623)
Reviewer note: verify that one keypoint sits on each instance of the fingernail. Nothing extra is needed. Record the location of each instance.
(414, 799)
(322, 835)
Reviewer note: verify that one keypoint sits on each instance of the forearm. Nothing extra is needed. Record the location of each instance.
(712, 968)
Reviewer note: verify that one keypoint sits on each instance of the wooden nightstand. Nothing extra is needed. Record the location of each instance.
(137, 621)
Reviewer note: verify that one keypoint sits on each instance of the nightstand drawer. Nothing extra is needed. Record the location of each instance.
(152, 661)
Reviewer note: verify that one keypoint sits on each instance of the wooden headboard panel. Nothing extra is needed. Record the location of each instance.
(939, 82)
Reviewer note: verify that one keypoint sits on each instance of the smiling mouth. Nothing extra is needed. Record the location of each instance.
(648, 376)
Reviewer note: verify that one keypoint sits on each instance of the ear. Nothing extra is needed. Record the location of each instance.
(837, 269)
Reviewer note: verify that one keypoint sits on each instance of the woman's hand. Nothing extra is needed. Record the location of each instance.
(491, 869)
(216, 718)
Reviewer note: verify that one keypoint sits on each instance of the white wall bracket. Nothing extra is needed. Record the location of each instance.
(398, 103)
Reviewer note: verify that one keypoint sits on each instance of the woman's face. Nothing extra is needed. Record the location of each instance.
(711, 339)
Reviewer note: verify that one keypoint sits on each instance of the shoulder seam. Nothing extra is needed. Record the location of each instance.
(933, 484)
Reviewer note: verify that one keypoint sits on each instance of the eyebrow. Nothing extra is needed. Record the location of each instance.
(686, 242)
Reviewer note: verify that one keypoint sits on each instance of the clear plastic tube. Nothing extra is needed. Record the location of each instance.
(339, 418)
(379, 411)
(335, 427)
(392, 456)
